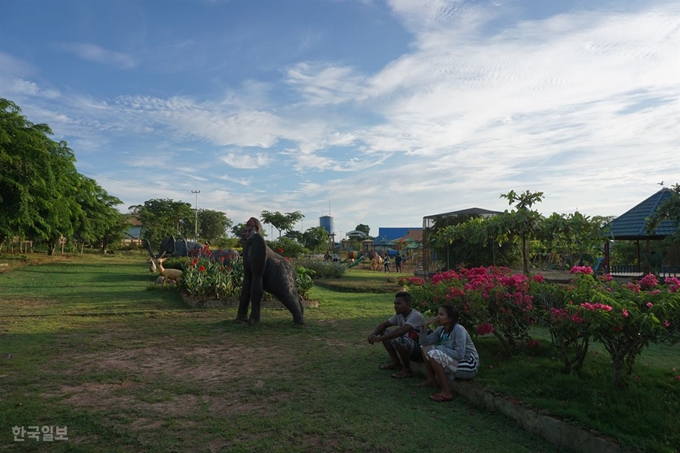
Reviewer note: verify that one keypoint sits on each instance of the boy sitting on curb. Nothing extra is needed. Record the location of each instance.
(401, 343)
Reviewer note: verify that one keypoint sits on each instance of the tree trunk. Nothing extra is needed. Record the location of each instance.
(525, 255)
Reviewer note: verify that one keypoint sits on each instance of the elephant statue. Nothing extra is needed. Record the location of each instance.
(181, 247)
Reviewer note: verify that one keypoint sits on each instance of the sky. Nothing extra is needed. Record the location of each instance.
(377, 112)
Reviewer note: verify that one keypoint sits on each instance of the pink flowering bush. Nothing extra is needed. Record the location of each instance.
(490, 301)
(624, 318)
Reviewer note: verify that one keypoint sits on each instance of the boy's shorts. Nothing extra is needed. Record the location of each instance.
(411, 345)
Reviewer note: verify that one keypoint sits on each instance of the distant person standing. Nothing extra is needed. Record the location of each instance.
(386, 262)
(397, 262)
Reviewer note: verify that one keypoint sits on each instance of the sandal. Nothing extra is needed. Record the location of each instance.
(438, 397)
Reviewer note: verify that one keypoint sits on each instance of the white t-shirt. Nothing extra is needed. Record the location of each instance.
(415, 319)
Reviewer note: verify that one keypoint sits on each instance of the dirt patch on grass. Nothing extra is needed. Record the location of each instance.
(178, 382)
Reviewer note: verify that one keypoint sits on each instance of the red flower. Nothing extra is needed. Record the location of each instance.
(280, 250)
(201, 269)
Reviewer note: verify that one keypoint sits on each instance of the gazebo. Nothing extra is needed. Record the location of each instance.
(632, 226)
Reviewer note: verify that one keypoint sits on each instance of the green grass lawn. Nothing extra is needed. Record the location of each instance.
(89, 345)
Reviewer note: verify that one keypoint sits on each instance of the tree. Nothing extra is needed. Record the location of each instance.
(472, 241)
(37, 180)
(315, 238)
(282, 222)
(213, 225)
(364, 228)
(42, 196)
(98, 222)
(575, 236)
(668, 210)
(163, 218)
(294, 235)
(238, 229)
(522, 222)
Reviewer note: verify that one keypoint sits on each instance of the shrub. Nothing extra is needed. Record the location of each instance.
(206, 279)
(287, 247)
(304, 281)
(324, 269)
(490, 300)
(624, 318)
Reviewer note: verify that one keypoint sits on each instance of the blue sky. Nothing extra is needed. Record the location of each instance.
(384, 110)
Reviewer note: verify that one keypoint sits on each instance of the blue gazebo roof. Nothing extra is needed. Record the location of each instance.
(633, 223)
(381, 241)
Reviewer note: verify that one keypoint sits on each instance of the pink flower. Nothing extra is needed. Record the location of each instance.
(625, 313)
(666, 323)
(648, 281)
(538, 278)
(484, 329)
(581, 270)
(677, 377)
(649, 304)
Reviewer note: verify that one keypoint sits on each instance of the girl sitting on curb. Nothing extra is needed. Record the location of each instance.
(448, 353)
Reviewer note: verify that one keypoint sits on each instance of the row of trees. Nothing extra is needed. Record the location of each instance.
(162, 218)
(517, 234)
(42, 195)
(165, 217)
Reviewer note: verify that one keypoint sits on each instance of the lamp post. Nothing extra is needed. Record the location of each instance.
(196, 192)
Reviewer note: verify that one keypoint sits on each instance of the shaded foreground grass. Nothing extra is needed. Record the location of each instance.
(86, 345)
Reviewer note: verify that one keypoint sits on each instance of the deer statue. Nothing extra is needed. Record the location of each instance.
(168, 274)
(152, 265)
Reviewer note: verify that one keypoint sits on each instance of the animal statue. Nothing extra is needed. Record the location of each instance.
(152, 265)
(376, 263)
(265, 270)
(172, 247)
(168, 274)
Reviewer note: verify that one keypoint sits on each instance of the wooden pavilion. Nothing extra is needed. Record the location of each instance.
(632, 225)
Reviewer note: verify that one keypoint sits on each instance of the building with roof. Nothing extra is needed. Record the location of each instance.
(434, 222)
(632, 226)
(393, 233)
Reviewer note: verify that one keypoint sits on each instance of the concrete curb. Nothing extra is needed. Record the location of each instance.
(537, 422)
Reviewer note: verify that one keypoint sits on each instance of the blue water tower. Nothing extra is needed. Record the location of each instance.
(327, 223)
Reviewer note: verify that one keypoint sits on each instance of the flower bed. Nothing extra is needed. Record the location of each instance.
(206, 283)
(624, 317)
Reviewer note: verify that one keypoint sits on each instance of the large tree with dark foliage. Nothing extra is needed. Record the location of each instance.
(42, 196)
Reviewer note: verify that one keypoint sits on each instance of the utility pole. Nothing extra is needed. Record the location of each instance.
(196, 192)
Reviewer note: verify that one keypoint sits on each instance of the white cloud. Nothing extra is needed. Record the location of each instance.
(326, 84)
(246, 161)
(483, 101)
(97, 54)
